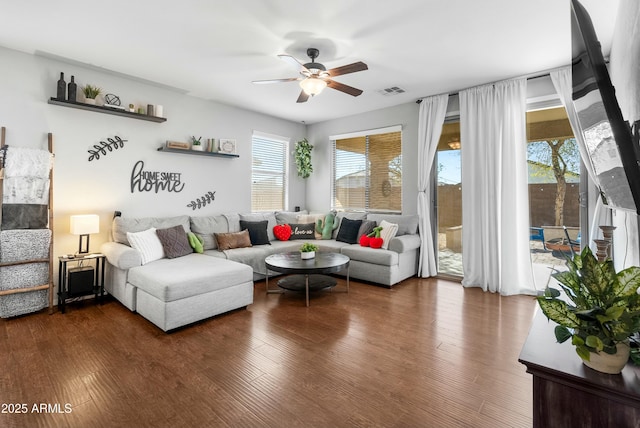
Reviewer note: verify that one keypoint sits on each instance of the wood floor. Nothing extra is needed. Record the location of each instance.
(426, 353)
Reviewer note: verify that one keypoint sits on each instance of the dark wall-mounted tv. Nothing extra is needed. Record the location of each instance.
(613, 153)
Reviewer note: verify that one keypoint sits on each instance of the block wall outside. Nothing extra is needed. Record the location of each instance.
(541, 205)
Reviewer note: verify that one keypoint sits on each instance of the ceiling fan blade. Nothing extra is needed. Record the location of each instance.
(303, 97)
(294, 62)
(344, 88)
(346, 69)
(289, 79)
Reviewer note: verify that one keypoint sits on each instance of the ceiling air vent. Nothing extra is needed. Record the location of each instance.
(394, 90)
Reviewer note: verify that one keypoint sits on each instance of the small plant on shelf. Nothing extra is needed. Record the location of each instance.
(91, 92)
(196, 143)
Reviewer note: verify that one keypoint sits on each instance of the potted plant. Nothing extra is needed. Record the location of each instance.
(302, 154)
(196, 144)
(598, 309)
(308, 250)
(90, 93)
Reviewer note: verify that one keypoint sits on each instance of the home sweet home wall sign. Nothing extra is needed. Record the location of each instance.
(154, 181)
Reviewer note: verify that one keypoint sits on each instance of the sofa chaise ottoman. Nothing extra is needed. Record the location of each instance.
(172, 292)
(205, 286)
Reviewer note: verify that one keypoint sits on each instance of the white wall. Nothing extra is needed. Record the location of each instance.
(102, 186)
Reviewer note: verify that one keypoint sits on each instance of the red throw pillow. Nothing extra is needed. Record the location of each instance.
(365, 241)
(282, 232)
(375, 242)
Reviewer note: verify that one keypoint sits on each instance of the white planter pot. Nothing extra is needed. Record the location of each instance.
(307, 255)
(91, 101)
(607, 363)
(197, 148)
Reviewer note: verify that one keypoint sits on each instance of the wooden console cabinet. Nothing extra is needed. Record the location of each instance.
(566, 393)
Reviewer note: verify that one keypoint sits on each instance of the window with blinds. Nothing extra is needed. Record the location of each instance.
(367, 171)
(268, 172)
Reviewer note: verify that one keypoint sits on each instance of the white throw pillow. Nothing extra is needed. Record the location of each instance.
(388, 232)
(148, 244)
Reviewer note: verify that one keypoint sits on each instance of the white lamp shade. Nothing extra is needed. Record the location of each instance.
(313, 85)
(85, 224)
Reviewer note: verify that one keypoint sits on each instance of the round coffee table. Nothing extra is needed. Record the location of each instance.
(307, 275)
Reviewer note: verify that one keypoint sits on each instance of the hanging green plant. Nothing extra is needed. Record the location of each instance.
(302, 155)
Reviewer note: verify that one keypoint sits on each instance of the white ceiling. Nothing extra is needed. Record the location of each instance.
(214, 49)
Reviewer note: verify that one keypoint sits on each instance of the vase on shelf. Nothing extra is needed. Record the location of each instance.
(72, 89)
(62, 88)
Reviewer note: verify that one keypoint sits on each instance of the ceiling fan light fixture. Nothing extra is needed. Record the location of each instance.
(312, 85)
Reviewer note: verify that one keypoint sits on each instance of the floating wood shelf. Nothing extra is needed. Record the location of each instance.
(107, 110)
(199, 153)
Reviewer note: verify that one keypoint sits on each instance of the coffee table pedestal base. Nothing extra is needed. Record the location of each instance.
(298, 282)
(306, 275)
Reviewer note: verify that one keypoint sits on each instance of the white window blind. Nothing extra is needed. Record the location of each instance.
(268, 172)
(367, 171)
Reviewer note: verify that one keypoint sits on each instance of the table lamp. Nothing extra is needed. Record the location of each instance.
(84, 225)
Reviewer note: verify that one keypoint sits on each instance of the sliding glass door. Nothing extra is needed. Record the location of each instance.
(449, 201)
(554, 186)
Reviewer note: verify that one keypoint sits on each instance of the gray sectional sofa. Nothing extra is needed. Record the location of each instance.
(173, 292)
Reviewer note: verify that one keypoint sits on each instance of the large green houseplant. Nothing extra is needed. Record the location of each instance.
(598, 309)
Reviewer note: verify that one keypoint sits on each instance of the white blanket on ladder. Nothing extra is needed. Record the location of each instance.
(25, 162)
(26, 176)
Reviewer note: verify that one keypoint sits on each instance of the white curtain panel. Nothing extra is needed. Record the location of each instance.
(431, 117)
(561, 79)
(495, 197)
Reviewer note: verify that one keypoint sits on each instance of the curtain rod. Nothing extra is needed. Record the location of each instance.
(531, 76)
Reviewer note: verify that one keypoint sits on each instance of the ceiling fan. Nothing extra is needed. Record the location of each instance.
(314, 77)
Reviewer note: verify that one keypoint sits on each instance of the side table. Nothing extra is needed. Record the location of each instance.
(89, 270)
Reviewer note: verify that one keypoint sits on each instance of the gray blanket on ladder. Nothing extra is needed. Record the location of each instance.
(21, 245)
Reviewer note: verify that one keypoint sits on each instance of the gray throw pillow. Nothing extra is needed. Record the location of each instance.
(174, 242)
(366, 228)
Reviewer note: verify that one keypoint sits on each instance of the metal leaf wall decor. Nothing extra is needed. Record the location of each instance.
(103, 147)
(203, 201)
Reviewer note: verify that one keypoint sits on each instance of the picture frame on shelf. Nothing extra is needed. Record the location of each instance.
(227, 146)
(178, 145)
